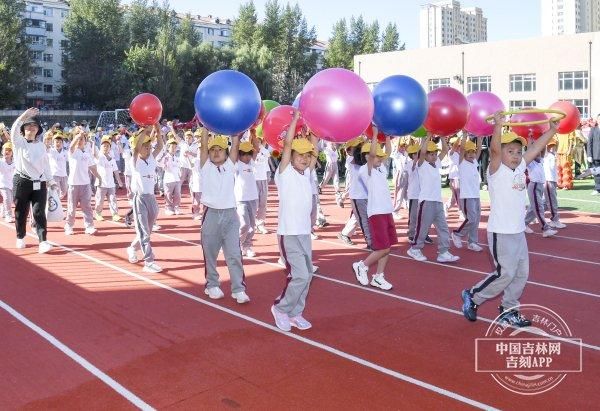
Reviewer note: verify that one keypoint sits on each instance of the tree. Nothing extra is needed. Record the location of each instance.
(391, 39)
(143, 21)
(370, 42)
(272, 26)
(186, 33)
(245, 27)
(339, 52)
(357, 35)
(15, 60)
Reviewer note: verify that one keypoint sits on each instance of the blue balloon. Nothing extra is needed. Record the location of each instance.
(400, 105)
(296, 102)
(227, 102)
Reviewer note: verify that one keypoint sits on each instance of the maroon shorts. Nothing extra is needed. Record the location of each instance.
(383, 231)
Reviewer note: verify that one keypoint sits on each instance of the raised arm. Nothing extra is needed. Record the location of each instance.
(479, 147)
(463, 141)
(444, 148)
(423, 150)
(313, 161)
(204, 147)
(255, 143)
(496, 143)
(75, 143)
(159, 140)
(138, 144)
(15, 131)
(540, 144)
(388, 145)
(234, 152)
(373, 149)
(286, 155)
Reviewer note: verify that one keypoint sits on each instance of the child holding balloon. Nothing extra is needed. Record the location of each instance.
(535, 192)
(196, 186)
(454, 156)
(379, 210)
(221, 225)
(506, 224)
(246, 192)
(551, 174)
(412, 191)
(169, 162)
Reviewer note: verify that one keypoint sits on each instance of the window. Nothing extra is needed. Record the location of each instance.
(519, 104)
(210, 31)
(438, 82)
(573, 80)
(33, 87)
(49, 43)
(48, 73)
(47, 88)
(48, 57)
(583, 107)
(479, 83)
(49, 12)
(49, 27)
(37, 71)
(64, 13)
(36, 55)
(64, 44)
(522, 82)
(225, 33)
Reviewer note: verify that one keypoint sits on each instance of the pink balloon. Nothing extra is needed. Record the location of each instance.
(482, 104)
(337, 105)
(448, 111)
(537, 129)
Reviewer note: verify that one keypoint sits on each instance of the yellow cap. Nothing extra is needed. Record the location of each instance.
(106, 139)
(133, 139)
(218, 141)
(355, 141)
(303, 146)
(171, 141)
(198, 133)
(431, 147)
(511, 136)
(58, 134)
(367, 148)
(188, 133)
(170, 134)
(551, 142)
(413, 148)
(453, 140)
(246, 146)
(470, 146)
(7, 146)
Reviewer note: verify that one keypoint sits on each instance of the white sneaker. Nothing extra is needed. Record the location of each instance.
(300, 322)
(151, 268)
(456, 239)
(282, 321)
(595, 193)
(313, 236)
(379, 281)
(556, 224)
(549, 232)
(416, 254)
(90, 230)
(20, 243)
(156, 227)
(177, 211)
(474, 247)
(240, 297)
(528, 230)
(447, 258)
(281, 262)
(214, 293)
(131, 255)
(68, 230)
(262, 229)
(361, 272)
(169, 212)
(44, 247)
(315, 268)
(9, 219)
(250, 253)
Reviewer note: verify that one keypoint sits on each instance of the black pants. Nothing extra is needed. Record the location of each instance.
(24, 196)
(596, 163)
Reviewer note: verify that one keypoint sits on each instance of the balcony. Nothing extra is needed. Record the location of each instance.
(35, 31)
(37, 46)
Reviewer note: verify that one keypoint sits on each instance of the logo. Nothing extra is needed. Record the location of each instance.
(529, 360)
(519, 182)
(52, 204)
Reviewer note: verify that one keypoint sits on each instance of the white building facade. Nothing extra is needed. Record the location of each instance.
(444, 23)
(564, 17)
(523, 73)
(214, 30)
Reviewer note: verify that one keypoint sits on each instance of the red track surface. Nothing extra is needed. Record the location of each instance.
(172, 347)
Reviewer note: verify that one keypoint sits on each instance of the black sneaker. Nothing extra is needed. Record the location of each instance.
(513, 317)
(469, 308)
(428, 240)
(411, 239)
(345, 239)
(128, 222)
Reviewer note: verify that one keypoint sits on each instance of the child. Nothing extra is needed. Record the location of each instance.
(170, 163)
(246, 193)
(550, 173)
(127, 155)
(261, 170)
(535, 192)
(331, 168)
(187, 148)
(145, 207)
(454, 156)
(469, 183)
(221, 226)
(413, 189)
(58, 163)
(400, 177)
(431, 207)
(294, 190)
(108, 170)
(379, 210)
(81, 163)
(506, 224)
(7, 172)
(196, 186)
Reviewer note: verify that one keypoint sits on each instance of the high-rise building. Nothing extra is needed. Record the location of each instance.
(444, 23)
(560, 17)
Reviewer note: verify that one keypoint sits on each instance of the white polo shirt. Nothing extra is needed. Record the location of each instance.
(79, 167)
(58, 162)
(550, 171)
(331, 154)
(357, 190)
(217, 184)
(414, 188)
(295, 201)
(7, 172)
(454, 160)
(170, 163)
(508, 199)
(196, 187)
(536, 172)
(379, 200)
(143, 175)
(127, 156)
(469, 178)
(245, 184)
(184, 147)
(430, 181)
(261, 164)
(106, 168)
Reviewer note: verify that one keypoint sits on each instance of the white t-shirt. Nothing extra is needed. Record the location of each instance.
(127, 156)
(331, 154)
(550, 171)
(170, 163)
(294, 192)
(508, 196)
(414, 188)
(469, 178)
(245, 184)
(314, 182)
(430, 181)
(184, 147)
(261, 164)
(7, 172)
(357, 190)
(217, 185)
(454, 160)
(379, 200)
(106, 168)
(58, 162)
(116, 154)
(536, 172)
(79, 167)
(399, 160)
(143, 175)
(196, 186)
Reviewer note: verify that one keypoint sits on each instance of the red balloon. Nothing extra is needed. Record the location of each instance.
(276, 124)
(536, 130)
(261, 115)
(380, 135)
(571, 121)
(145, 109)
(448, 111)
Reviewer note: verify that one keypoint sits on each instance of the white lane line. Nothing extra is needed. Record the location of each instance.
(124, 392)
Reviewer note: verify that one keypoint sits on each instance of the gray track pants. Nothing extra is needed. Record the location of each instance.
(246, 211)
(145, 211)
(535, 191)
(296, 251)
(471, 208)
(432, 212)
(80, 196)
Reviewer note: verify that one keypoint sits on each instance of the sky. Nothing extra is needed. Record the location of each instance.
(507, 19)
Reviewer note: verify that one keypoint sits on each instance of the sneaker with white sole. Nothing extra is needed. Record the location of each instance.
(313, 236)
(416, 254)
(20, 243)
(214, 293)
(300, 322)
(169, 212)
(447, 257)
(475, 247)
(44, 247)
(241, 297)
(250, 253)
(345, 239)
(595, 193)
(361, 271)
(177, 211)
(549, 233)
(262, 229)
(456, 240)
(131, 255)
(116, 218)
(282, 320)
(315, 268)
(151, 268)
(528, 230)
(281, 262)
(156, 227)
(556, 224)
(90, 230)
(379, 281)
(68, 230)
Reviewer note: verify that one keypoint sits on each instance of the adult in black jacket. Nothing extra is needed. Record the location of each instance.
(593, 152)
